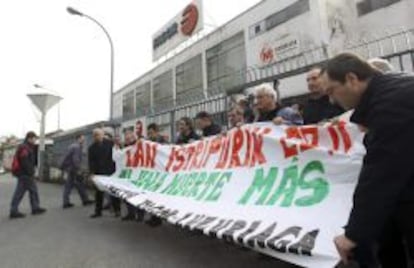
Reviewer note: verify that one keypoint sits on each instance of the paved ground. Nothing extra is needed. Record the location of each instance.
(70, 239)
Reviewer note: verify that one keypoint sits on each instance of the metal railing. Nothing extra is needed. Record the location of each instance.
(396, 47)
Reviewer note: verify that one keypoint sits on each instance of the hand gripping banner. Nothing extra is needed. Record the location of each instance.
(283, 191)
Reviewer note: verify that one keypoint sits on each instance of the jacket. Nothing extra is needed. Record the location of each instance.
(183, 139)
(386, 181)
(26, 155)
(73, 158)
(100, 158)
(290, 116)
(159, 139)
(320, 109)
(267, 116)
(211, 130)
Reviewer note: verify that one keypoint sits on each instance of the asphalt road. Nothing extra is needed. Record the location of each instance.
(69, 238)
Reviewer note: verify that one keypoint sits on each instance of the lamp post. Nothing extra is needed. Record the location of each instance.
(73, 11)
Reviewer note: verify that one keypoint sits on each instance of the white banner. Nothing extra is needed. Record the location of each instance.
(283, 191)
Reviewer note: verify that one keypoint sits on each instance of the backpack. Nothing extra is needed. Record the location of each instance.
(15, 167)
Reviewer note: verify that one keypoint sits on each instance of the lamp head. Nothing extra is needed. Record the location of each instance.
(73, 11)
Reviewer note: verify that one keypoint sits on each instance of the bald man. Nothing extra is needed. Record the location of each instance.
(101, 163)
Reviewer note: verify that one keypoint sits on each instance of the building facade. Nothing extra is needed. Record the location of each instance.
(275, 39)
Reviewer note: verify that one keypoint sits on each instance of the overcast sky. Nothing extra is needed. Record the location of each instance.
(42, 44)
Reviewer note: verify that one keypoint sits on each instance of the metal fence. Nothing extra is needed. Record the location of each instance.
(396, 47)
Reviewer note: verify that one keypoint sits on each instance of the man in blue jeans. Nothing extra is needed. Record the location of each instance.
(24, 169)
(72, 165)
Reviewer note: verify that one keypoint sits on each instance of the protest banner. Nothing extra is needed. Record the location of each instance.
(280, 190)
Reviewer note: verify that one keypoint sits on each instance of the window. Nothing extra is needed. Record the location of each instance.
(225, 63)
(143, 99)
(163, 91)
(294, 10)
(189, 80)
(367, 6)
(257, 29)
(128, 109)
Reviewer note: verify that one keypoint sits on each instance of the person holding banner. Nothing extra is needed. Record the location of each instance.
(132, 212)
(383, 203)
(236, 116)
(101, 163)
(269, 110)
(205, 123)
(186, 131)
(319, 107)
(153, 134)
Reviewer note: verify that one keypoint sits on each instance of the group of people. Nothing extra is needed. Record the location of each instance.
(101, 155)
(380, 229)
(264, 107)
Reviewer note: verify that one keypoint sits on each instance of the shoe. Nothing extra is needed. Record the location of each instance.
(96, 215)
(140, 215)
(68, 205)
(38, 211)
(154, 221)
(117, 214)
(264, 257)
(128, 217)
(16, 215)
(88, 203)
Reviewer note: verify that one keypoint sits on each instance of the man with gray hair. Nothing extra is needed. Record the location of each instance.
(382, 65)
(101, 163)
(269, 110)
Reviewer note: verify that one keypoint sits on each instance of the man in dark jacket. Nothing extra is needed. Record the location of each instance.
(319, 107)
(25, 158)
(383, 204)
(153, 134)
(205, 123)
(101, 163)
(72, 165)
(186, 133)
(269, 109)
(132, 212)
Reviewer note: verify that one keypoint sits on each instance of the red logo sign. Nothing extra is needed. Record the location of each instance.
(190, 19)
(267, 54)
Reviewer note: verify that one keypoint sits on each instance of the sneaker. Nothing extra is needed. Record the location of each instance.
(88, 203)
(140, 215)
(68, 205)
(16, 215)
(154, 221)
(38, 211)
(96, 215)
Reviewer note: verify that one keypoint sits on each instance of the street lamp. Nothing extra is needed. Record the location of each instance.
(58, 106)
(73, 11)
